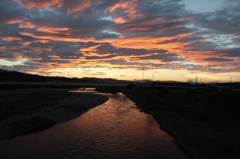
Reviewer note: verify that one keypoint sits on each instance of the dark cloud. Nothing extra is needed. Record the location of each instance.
(221, 22)
(108, 48)
(218, 59)
(232, 52)
(10, 13)
(162, 58)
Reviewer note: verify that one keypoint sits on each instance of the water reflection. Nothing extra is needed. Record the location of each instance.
(116, 129)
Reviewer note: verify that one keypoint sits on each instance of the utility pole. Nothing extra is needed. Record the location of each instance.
(196, 80)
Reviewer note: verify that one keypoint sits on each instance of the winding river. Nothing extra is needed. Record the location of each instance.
(115, 129)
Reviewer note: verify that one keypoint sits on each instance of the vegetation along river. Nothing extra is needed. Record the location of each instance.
(115, 129)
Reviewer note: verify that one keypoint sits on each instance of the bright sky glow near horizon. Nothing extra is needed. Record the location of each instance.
(173, 40)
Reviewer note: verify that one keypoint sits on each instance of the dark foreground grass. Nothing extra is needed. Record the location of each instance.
(28, 102)
(33, 124)
(208, 140)
(204, 122)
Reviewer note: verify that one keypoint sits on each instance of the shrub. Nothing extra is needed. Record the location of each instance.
(130, 85)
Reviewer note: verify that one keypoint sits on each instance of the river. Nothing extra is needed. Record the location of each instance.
(113, 130)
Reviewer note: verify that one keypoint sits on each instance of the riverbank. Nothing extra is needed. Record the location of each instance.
(26, 111)
(204, 124)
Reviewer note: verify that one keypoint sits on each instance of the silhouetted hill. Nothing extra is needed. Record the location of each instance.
(19, 76)
(24, 77)
(1, 70)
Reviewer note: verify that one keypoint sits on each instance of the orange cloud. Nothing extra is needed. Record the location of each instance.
(29, 4)
(149, 42)
(53, 30)
(46, 29)
(143, 25)
(123, 5)
(79, 6)
(27, 25)
(119, 20)
(14, 58)
(235, 36)
(129, 7)
(185, 18)
(95, 74)
(92, 48)
(174, 44)
(13, 21)
(9, 38)
(37, 49)
(41, 41)
(25, 43)
(139, 29)
(58, 38)
(2, 48)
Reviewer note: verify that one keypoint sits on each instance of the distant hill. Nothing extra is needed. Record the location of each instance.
(19, 76)
(1, 70)
(25, 77)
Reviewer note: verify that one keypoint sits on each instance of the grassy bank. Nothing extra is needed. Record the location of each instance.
(28, 102)
(207, 140)
(33, 124)
(35, 110)
(203, 122)
(23, 104)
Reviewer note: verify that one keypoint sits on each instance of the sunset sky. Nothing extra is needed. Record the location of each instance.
(173, 40)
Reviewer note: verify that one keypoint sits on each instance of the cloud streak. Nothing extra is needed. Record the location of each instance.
(29, 4)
